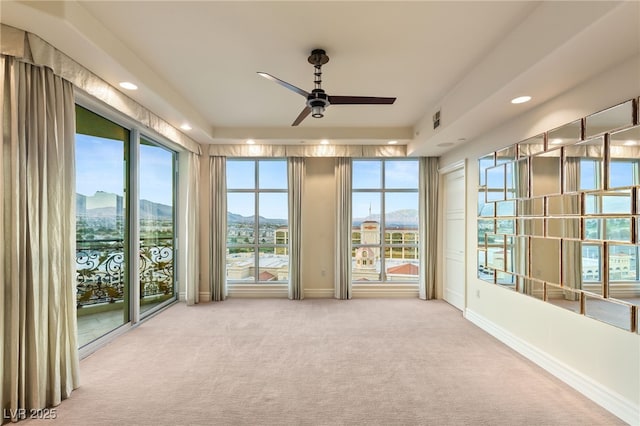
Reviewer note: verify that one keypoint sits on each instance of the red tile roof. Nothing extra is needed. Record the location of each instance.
(266, 276)
(404, 269)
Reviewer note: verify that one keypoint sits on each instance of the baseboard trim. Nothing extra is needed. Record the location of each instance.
(384, 292)
(203, 296)
(319, 293)
(261, 291)
(607, 399)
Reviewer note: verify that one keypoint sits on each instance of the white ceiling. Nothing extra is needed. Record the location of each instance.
(196, 61)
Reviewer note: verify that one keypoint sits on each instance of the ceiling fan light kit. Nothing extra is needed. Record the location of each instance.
(317, 99)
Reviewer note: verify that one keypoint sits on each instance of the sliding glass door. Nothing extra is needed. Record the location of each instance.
(102, 256)
(125, 225)
(157, 224)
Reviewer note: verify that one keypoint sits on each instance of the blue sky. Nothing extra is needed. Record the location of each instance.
(100, 167)
(272, 174)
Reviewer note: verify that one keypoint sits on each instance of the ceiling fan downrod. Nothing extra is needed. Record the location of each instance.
(318, 100)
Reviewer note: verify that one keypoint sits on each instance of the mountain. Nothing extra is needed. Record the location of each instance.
(105, 204)
(237, 218)
(400, 217)
(151, 210)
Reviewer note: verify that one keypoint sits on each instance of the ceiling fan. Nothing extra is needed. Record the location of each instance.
(318, 100)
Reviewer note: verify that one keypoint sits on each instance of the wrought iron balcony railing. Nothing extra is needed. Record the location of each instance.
(100, 270)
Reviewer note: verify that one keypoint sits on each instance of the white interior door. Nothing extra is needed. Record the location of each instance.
(453, 275)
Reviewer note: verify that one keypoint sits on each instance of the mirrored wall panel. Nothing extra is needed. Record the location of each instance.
(559, 216)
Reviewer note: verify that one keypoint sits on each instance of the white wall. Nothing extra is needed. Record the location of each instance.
(319, 228)
(601, 361)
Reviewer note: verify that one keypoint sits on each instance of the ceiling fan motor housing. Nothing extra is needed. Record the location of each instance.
(317, 101)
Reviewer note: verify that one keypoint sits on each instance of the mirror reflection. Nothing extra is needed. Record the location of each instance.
(610, 119)
(572, 264)
(495, 188)
(520, 178)
(624, 157)
(559, 227)
(517, 252)
(563, 297)
(545, 260)
(559, 217)
(506, 155)
(608, 203)
(531, 287)
(531, 227)
(531, 207)
(531, 146)
(583, 166)
(564, 205)
(565, 135)
(483, 164)
(505, 208)
(609, 311)
(545, 173)
(485, 209)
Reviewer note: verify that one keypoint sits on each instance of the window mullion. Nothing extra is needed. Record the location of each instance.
(383, 226)
(256, 228)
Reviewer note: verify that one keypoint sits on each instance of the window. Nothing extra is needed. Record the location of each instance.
(385, 232)
(157, 224)
(257, 221)
(102, 255)
(106, 269)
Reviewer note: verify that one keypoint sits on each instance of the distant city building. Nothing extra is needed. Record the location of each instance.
(275, 267)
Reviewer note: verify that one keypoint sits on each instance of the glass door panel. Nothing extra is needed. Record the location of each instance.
(157, 225)
(102, 299)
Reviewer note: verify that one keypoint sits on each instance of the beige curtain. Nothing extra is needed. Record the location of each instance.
(218, 242)
(269, 151)
(572, 251)
(343, 228)
(38, 350)
(428, 217)
(190, 226)
(295, 176)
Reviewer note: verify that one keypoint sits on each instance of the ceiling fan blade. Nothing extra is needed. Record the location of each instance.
(303, 114)
(284, 84)
(360, 100)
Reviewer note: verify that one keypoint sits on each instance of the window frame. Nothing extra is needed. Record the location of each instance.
(386, 233)
(131, 244)
(282, 248)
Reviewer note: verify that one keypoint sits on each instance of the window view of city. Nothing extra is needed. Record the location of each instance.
(494, 232)
(257, 219)
(385, 231)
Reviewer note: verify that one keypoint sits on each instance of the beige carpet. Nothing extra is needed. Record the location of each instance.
(317, 362)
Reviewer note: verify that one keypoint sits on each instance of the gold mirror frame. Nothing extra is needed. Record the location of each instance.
(559, 216)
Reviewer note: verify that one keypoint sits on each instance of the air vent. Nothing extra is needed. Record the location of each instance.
(436, 120)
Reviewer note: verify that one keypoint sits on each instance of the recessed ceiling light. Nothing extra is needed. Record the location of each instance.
(520, 99)
(128, 85)
(392, 142)
(250, 141)
(185, 126)
(557, 141)
(324, 142)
